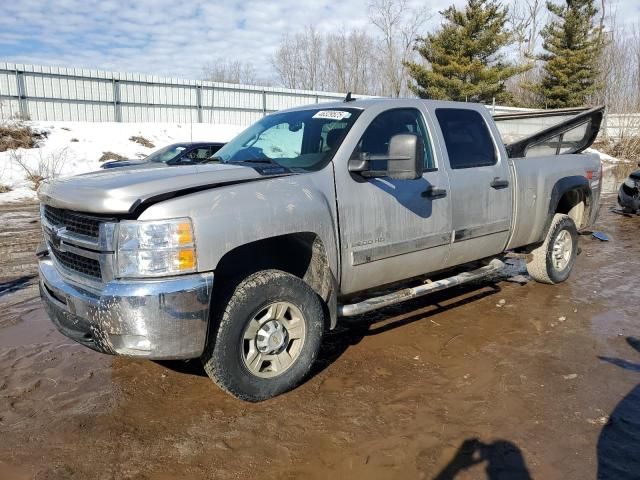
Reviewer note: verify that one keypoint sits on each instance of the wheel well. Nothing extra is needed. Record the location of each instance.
(574, 203)
(300, 254)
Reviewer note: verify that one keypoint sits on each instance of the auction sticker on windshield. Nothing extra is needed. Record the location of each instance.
(332, 114)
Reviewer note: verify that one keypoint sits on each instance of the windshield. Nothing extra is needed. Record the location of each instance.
(166, 154)
(299, 140)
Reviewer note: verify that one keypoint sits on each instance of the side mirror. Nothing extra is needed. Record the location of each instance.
(406, 157)
(405, 160)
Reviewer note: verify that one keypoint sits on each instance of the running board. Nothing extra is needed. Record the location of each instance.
(403, 295)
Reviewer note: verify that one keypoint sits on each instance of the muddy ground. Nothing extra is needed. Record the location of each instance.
(496, 380)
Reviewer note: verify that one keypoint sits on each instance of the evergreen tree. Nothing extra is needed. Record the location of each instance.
(573, 45)
(463, 57)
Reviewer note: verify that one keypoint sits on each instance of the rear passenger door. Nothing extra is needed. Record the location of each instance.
(480, 183)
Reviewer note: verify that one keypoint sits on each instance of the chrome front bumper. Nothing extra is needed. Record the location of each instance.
(155, 319)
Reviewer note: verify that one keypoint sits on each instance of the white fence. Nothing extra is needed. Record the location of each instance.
(618, 125)
(75, 94)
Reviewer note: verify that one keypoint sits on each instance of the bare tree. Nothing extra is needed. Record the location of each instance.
(299, 59)
(350, 63)
(231, 72)
(399, 25)
(341, 61)
(310, 45)
(47, 166)
(354, 60)
(526, 18)
(363, 64)
(620, 69)
(287, 62)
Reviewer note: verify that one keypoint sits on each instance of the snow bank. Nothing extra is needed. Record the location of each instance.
(76, 147)
(603, 156)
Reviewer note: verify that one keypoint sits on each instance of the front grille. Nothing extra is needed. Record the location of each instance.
(77, 263)
(73, 222)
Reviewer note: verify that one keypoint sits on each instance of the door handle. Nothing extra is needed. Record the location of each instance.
(498, 183)
(434, 193)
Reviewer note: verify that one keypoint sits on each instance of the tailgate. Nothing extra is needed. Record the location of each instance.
(559, 132)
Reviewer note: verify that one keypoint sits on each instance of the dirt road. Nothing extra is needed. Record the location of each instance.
(497, 380)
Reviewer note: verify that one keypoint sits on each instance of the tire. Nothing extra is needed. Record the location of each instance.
(275, 309)
(546, 266)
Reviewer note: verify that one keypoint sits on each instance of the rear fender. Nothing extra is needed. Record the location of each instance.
(563, 186)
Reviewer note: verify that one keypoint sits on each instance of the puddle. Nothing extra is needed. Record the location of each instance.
(32, 328)
(613, 174)
(611, 324)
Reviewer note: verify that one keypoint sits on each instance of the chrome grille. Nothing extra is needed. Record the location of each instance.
(73, 222)
(77, 263)
(80, 243)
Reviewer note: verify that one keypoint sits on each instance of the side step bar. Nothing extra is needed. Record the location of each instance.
(405, 294)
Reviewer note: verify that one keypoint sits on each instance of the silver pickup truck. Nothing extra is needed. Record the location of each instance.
(246, 260)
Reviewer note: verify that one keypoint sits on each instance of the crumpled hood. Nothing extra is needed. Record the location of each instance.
(123, 190)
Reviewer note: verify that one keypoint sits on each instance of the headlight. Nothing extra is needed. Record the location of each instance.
(155, 248)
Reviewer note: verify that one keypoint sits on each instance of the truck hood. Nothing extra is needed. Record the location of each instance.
(121, 191)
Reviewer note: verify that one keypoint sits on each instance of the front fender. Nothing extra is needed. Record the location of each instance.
(228, 217)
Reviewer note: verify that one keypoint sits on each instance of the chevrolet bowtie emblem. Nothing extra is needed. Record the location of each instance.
(55, 236)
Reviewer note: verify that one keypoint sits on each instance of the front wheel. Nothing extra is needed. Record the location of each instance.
(553, 260)
(267, 337)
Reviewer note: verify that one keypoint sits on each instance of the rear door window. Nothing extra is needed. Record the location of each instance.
(467, 138)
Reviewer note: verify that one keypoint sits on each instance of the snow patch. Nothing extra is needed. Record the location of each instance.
(603, 156)
(90, 140)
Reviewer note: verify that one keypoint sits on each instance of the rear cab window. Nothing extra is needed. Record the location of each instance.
(467, 138)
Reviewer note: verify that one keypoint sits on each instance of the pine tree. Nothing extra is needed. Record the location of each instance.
(573, 45)
(463, 58)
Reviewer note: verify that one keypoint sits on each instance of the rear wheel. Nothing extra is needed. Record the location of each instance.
(268, 336)
(553, 261)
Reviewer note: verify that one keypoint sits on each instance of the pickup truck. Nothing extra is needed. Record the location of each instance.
(245, 261)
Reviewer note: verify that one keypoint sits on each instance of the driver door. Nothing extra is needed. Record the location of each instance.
(392, 230)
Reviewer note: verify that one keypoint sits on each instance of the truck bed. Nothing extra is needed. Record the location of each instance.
(535, 181)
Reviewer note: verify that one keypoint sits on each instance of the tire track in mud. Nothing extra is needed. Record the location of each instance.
(20, 235)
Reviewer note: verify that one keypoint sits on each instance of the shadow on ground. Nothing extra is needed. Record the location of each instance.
(619, 441)
(15, 284)
(503, 460)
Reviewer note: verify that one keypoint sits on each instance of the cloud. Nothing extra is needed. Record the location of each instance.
(176, 39)
(162, 36)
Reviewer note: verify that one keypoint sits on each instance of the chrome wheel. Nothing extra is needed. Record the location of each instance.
(273, 339)
(562, 250)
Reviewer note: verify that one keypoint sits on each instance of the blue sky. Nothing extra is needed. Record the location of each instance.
(177, 38)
